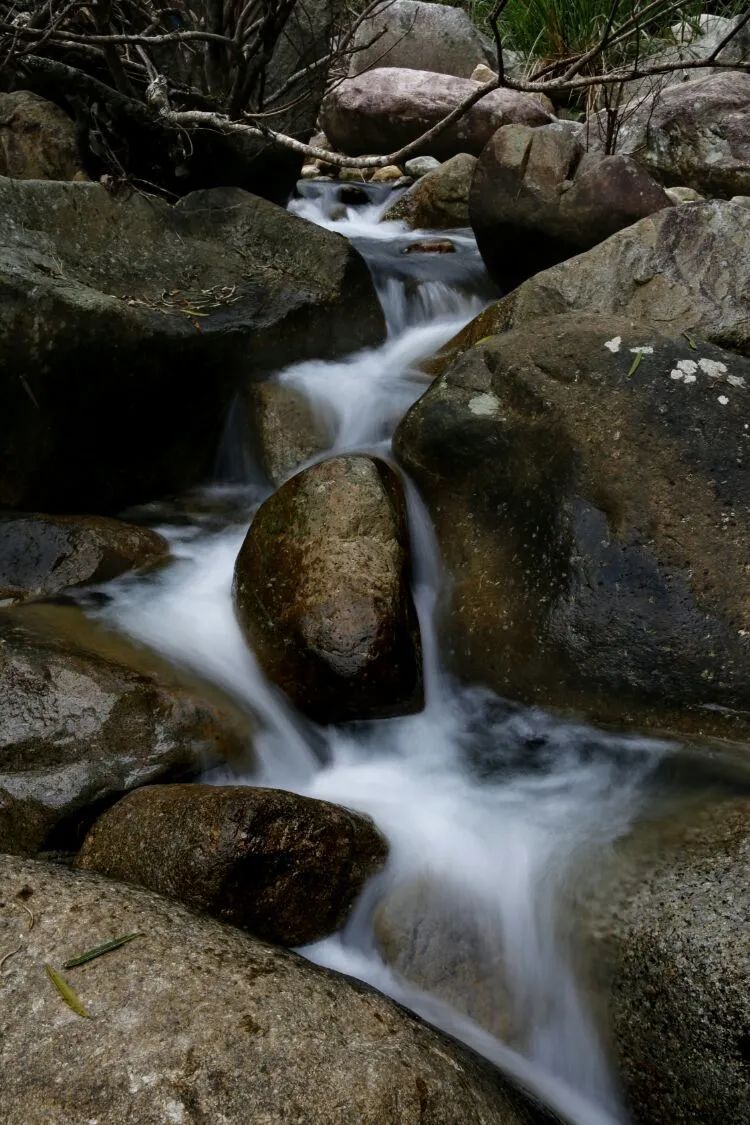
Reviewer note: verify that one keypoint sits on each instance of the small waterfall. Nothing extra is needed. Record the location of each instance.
(493, 805)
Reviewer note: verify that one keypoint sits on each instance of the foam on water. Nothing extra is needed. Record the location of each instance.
(497, 806)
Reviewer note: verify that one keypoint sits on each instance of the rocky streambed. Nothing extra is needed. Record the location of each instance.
(358, 606)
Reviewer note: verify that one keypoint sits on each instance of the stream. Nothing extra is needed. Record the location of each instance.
(491, 809)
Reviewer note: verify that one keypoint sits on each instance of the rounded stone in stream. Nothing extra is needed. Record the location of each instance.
(321, 587)
(196, 1022)
(78, 730)
(286, 868)
(41, 555)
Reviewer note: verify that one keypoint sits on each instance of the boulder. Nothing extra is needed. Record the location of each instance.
(37, 140)
(667, 927)
(384, 109)
(41, 555)
(695, 134)
(683, 270)
(194, 1021)
(440, 200)
(588, 483)
(78, 730)
(285, 429)
(417, 36)
(537, 198)
(127, 326)
(686, 195)
(388, 175)
(284, 867)
(321, 588)
(419, 166)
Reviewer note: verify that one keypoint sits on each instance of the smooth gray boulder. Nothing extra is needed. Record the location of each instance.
(685, 271)
(41, 555)
(384, 109)
(667, 929)
(418, 36)
(695, 134)
(194, 1021)
(127, 327)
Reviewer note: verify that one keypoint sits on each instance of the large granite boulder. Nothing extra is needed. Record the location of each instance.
(537, 198)
(321, 588)
(440, 199)
(79, 729)
(384, 109)
(667, 925)
(284, 867)
(588, 483)
(37, 140)
(685, 271)
(283, 430)
(417, 36)
(127, 326)
(41, 555)
(694, 133)
(194, 1021)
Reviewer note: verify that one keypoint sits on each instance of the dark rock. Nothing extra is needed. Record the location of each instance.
(537, 199)
(695, 134)
(417, 36)
(41, 555)
(683, 270)
(78, 730)
(668, 930)
(127, 327)
(284, 867)
(37, 140)
(440, 199)
(592, 508)
(384, 109)
(322, 591)
(195, 1022)
(286, 431)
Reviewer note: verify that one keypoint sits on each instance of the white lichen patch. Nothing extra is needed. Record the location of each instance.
(723, 400)
(684, 369)
(713, 367)
(736, 380)
(485, 405)
(646, 349)
(614, 344)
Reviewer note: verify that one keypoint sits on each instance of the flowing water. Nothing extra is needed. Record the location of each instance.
(492, 810)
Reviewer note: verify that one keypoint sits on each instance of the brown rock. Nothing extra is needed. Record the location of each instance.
(285, 868)
(381, 110)
(37, 140)
(78, 730)
(196, 1022)
(41, 555)
(537, 198)
(440, 199)
(286, 432)
(322, 591)
(439, 246)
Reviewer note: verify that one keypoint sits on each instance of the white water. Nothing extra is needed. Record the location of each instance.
(496, 807)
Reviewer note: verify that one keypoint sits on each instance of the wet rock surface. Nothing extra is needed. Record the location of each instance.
(284, 429)
(684, 271)
(37, 140)
(588, 484)
(322, 591)
(383, 109)
(538, 198)
(668, 930)
(440, 199)
(127, 326)
(196, 1021)
(41, 555)
(78, 730)
(283, 867)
